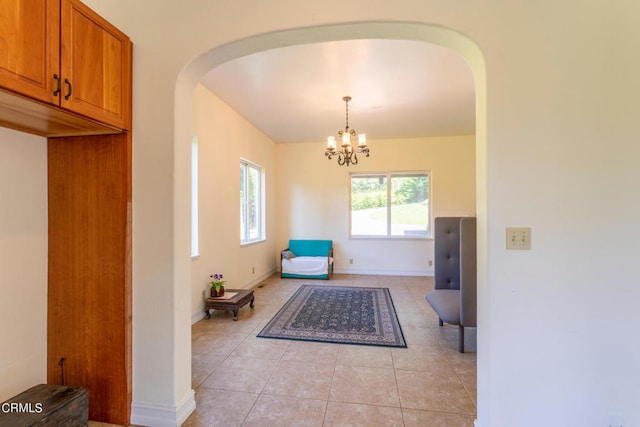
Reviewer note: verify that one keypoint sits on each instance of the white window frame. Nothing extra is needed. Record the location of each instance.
(389, 175)
(261, 236)
(195, 249)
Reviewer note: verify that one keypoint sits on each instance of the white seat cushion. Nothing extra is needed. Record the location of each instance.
(306, 265)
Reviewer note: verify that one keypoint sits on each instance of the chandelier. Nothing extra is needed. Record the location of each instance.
(347, 154)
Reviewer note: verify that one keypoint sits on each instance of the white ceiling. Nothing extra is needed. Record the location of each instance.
(399, 89)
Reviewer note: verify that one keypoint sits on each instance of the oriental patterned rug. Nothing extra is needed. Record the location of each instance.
(338, 314)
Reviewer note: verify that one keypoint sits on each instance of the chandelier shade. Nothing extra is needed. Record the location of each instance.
(352, 143)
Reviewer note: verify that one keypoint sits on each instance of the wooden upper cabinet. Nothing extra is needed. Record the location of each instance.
(30, 47)
(95, 64)
(64, 54)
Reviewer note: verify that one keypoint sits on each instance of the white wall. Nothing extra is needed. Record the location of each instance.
(23, 262)
(223, 138)
(313, 198)
(311, 195)
(558, 151)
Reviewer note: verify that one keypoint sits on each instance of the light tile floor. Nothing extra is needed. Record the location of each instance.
(241, 380)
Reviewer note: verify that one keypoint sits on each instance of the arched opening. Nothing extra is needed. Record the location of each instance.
(193, 72)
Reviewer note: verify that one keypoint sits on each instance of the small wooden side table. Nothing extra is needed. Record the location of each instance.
(241, 298)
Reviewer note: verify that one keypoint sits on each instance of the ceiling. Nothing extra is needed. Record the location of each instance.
(399, 89)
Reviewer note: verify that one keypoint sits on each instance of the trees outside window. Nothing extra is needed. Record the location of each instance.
(392, 204)
(251, 202)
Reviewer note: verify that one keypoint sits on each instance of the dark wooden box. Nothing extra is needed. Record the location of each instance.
(47, 405)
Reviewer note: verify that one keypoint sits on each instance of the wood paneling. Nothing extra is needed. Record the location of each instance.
(89, 317)
(89, 305)
(65, 56)
(39, 118)
(30, 47)
(96, 60)
(88, 125)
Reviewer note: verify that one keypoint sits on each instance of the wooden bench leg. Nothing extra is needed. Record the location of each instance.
(440, 322)
(461, 338)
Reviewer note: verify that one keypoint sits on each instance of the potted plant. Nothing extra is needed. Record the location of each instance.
(217, 285)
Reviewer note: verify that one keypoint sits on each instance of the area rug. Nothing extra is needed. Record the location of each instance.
(338, 314)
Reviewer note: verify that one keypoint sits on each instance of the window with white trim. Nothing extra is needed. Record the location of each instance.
(390, 204)
(195, 251)
(251, 202)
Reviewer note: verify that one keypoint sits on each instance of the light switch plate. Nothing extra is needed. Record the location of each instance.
(519, 238)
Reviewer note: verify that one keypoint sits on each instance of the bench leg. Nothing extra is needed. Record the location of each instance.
(440, 322)
(461, 338)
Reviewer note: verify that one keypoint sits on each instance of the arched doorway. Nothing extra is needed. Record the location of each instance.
(193, 72)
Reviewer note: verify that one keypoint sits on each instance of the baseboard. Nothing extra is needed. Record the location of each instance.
(145, 414)
(199, 315)
(259, 279)
(427, 272)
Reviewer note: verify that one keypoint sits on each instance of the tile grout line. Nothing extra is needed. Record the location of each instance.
(395, 283)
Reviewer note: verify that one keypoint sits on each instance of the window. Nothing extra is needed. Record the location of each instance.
(251, 202)
(195, 251)
(394, 204)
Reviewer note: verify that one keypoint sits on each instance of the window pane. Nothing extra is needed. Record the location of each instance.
(251, 202)
(243, 203)
(410, 205)
(254, 203)
(194, 197)
(369, 205)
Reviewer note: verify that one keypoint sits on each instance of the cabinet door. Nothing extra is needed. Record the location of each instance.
(30, 47)
(96, 65)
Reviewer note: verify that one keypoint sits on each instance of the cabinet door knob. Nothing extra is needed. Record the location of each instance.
(57, 91)
(68, 95)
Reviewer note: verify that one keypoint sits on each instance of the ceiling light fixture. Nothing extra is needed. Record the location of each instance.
(347, 154)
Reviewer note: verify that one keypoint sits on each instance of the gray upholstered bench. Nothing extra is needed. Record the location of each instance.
(47, 405)
(454, 297)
